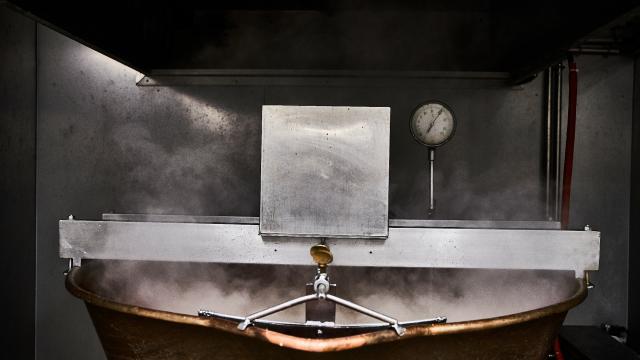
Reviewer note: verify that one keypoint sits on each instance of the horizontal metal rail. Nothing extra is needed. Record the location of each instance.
(405, 247)
(482, 224)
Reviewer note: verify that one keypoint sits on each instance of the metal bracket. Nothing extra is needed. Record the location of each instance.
(69, 267)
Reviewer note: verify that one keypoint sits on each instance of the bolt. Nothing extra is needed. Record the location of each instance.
(70, 217)
(587, 227)
(587, 281)
(69, 267)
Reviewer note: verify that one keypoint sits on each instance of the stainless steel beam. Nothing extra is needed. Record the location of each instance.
(417, 223)
(405, 247)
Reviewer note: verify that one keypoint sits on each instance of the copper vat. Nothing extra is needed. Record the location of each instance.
(135, 332)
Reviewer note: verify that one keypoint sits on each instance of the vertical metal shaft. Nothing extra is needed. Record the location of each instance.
(548, 143)
(432, 203)
(552, 140)
(558, 139)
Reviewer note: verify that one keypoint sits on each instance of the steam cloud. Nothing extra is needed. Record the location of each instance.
(185, 173)
(407, 294)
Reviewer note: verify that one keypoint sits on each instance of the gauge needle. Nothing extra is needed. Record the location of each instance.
(434, 120)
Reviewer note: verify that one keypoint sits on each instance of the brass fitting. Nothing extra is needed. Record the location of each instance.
(322, 256)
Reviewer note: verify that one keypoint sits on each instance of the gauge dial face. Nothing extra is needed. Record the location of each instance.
(432, 124)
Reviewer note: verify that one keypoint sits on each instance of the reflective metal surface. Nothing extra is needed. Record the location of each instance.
(405, 247)
(482, 224)
(132, 332)
(325, 171)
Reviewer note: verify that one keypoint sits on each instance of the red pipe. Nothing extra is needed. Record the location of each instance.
(556, 350)
(571, 136)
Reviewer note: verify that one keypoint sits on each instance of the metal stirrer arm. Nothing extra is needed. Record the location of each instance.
(340, 301)
(366, 311)
(274, 309)
(322, 256)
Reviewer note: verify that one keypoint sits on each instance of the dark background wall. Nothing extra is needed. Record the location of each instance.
(17, 180)
(105, 144)
(634, 246)
(601, 180)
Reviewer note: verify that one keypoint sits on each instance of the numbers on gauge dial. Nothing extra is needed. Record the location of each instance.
(432, 124)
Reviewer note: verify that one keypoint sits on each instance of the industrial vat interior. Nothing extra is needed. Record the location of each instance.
(407, 294)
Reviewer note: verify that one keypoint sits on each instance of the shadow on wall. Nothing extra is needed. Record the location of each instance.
(188, 156)
(176, 150)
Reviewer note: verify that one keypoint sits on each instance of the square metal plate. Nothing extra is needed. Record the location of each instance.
(325, 171)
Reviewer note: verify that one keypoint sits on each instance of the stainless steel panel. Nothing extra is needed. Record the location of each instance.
(405, 247)
(325, 171)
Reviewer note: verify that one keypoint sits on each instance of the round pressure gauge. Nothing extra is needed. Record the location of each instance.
(432, 123)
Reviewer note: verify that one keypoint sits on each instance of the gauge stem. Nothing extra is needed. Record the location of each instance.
(432, 202)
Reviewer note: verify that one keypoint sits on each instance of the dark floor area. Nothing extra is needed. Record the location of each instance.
(592, 343)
